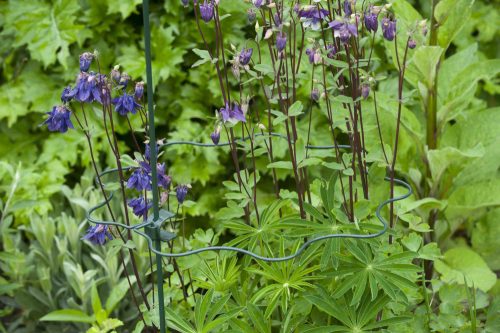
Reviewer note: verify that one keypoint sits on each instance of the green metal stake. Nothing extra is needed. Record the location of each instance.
(153, 159)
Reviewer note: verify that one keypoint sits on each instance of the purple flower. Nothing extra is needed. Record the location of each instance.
(139, 206)
(215, 136)
(139, 90)
(185, 3)
(207, 11)
(163, 180)
(389, 28)
(277, 19)
(311, 16)
(315, 94)
(67, 94)
(331, 51)
(87, 87)
(281, 41)
(347, 8)
(181, 192)
(232, 115)
(365, 91)
(258, 3)
(251, 15)
(314, 56)
(115, 74)
(125, 104)
(343, 30)
(147, 151)
(371, 22)
(85, 61)
(97, 234)
(59, 119)
(245, 56)
(140, 178)
(124, 79)
(412, 44)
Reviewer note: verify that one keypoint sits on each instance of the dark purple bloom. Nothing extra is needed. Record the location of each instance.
(277, 19)
(181, 192)
(106, 95)
(139, 90)
(343, 30)
(139, 206)
(207, 11)
(311, 16)
(67, 94)
(245, 56)
(125, 104)
(281, 41)
(258, 3)
(97, 234)
(185, 3)
(365, 91)
(389, 28)
(163, 179)
(87, 87)
(347, 8)
(215, 136)
(232, 115)
(140, 178)
(412, 44)
(331, 51)
(371, 22)
(85, 61)
(59, 119)
(147, 151)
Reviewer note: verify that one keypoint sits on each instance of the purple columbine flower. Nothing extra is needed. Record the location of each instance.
(365, 91)
(147, 151)
(347, 8)
(67, 94)
(389, 28)
(139, 206)
(314, 56)
(331, 51)
(124, 80)
(311, 16)
(343, 30)
(258, 3)
(116, 75)
(87, 87)
(97, 234)
(163, 179)
(140, 178)
(412, 44)
(85, 61)
(232, 115)
(245, 56)
(181, 192)
(59, 119)
(281, 41)
(185, 3)
(277, 19)
(207, 11)
(125, 104)
(215, 136)
(139, 90)
(371, 22)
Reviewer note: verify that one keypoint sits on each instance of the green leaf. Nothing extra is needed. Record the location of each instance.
(463, 262)
(204, 57)
(424, 65)
(451, 16)
(47, 29)
(295, 109)
(280, 165)
(96, 300)
(70, 315)
(124, 7)
(117, 293)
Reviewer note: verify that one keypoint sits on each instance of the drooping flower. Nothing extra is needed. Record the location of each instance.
(139, 90)
(251, 15)
(115, 74)
(85, 61)
(147, 151)
(181, 192)
(67, 94)
(245, 56)
(281, 41)
(343, 29)
(215, 136)
(315, 94)
(98, 234)
(314, 56)
(207, 11)
(232, 115)
(277, 19)
(125, 104)
(365, 91)
(347, 8)
(185, 3)
(87, 88)
(140, 178)
(389, 28)
(412, 44)
(371, 22)
(59, 119)
(139, 206)
(331, 51)
(124, 79)
(258, 3)
(311, 16)
(163, 179)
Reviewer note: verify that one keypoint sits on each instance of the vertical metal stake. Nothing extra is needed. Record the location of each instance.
(153, 159)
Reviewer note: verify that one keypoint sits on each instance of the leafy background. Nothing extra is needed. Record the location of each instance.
(45, 179)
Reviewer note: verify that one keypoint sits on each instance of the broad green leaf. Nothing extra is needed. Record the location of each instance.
(463, 262)
(280, 165)
(451, 16)
(117, 294)
(424, 65)
(69, 315)
(124, 7)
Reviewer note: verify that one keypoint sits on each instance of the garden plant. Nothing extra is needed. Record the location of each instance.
(250, 166)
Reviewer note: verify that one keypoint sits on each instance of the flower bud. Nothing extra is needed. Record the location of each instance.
(281, 42)
(185, 3)
(412, 44)
(315, 94)
(124, 79)
(389, 28)
(215, 136)
(251, 15)
(85, 61)
(258, 3)
(371, 22)
(365, 91)
(207, 11)
(181, 192)
(245, 56)
(139, 90)
(115, 74)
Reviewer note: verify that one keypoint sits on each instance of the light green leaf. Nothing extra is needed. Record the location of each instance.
(451, 16)
(124, 7)
(69, 315)
(280, 165)
(423, 65)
